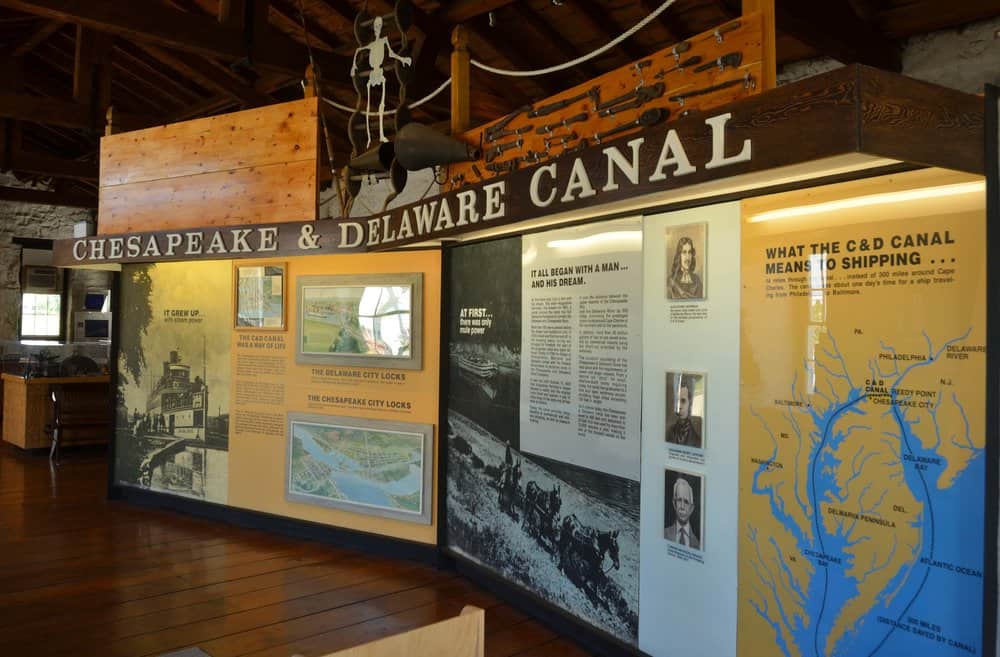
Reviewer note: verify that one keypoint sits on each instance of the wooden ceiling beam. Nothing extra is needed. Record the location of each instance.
(179, 30)
(667, 20)
(605, 25)
(60, 199)
(55, 167)
(919, 16)
(24, 107)
(515, 58)
(318, 36)
(208, 75)
(462, 10)
(91, 70)
(45, 29)
(546, 32)
(835, 30)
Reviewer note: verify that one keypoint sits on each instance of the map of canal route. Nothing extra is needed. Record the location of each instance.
(862, 458)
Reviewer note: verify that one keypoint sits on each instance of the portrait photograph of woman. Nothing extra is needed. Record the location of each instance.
(686, 262)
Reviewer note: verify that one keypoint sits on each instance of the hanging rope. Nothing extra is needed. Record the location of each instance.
(579, 60)
(322, 117)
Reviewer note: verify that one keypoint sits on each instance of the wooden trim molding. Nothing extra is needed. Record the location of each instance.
(853, 110)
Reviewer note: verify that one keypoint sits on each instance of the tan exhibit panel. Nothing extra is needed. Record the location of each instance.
(275, 392)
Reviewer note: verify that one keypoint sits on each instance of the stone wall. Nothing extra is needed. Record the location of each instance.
(25, 220)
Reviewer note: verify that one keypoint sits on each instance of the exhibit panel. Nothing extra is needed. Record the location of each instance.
(172, 419)
(334, 418)
(690, 446)
(566, 533)
(863, 419)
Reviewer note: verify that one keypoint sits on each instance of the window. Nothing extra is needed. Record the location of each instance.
(40, 315)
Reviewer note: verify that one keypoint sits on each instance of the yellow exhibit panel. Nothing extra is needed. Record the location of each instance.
(334, 418)
(862, 431)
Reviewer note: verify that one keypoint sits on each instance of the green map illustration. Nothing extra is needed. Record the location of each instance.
(366, 467)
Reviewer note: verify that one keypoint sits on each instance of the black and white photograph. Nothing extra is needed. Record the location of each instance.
(686, 248)
(685, 409)
(684, 509)
(172, 417)
(567, 534)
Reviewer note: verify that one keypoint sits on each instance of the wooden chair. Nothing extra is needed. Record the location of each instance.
(81, 415)
(461, 636)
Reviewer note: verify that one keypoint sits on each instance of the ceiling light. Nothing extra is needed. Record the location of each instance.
(872, 199)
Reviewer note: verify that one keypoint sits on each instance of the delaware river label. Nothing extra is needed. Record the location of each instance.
(863, 428)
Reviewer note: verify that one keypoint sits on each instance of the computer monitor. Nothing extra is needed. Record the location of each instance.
(94, 300)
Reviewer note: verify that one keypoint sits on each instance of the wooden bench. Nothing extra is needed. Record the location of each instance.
(81, 415)
(461, 636)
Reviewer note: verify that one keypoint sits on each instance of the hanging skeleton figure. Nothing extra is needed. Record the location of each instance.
(377, 50)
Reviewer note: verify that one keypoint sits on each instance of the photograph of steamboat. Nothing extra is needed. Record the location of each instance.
(478, 370)
(177, 445)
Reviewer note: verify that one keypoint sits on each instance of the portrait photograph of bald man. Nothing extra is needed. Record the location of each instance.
(685, 401)
(686, 262)
(684, 509)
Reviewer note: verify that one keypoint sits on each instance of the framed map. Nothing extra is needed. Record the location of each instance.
(260, 296)
(365, 466)
(363, 320)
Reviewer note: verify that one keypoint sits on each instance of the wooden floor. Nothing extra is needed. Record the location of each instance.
(83, 576)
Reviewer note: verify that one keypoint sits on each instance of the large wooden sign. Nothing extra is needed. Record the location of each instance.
(852, 110)
(240, 168)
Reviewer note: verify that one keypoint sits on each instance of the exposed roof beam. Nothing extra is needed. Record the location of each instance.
(903, 20)
(44, 30)
(462, 10)
(513, 57)
(179, 30)
(62, 199)
(835, 30)
(666, 20)
(53, 166)
(606, 26)
(207, 75)
(586, 70)
(318, 36)
(25, 107)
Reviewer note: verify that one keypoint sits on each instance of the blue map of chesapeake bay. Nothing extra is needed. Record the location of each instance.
(878, 482)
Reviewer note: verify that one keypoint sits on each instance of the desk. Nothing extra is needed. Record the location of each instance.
(27, 407)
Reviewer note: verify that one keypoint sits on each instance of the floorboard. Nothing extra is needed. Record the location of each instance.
(81, 575)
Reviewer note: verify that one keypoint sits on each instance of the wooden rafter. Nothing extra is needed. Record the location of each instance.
(462, 10)
(483, 43)
(44, 30)
(62, 199)
(184, 31)
(53, 166)
(210, 76)
(835, 30)
(287, 13)
(546, 32)
(675, 31)
(606, 26)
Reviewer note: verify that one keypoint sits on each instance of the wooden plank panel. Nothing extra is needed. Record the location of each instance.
(273, 134)
(265, 194)
(741, 36)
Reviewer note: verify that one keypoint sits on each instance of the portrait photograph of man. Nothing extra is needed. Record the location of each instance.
(685, 404)
(684, 509)
(686, 250)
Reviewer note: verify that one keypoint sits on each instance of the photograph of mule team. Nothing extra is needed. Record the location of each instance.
(572, 540)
